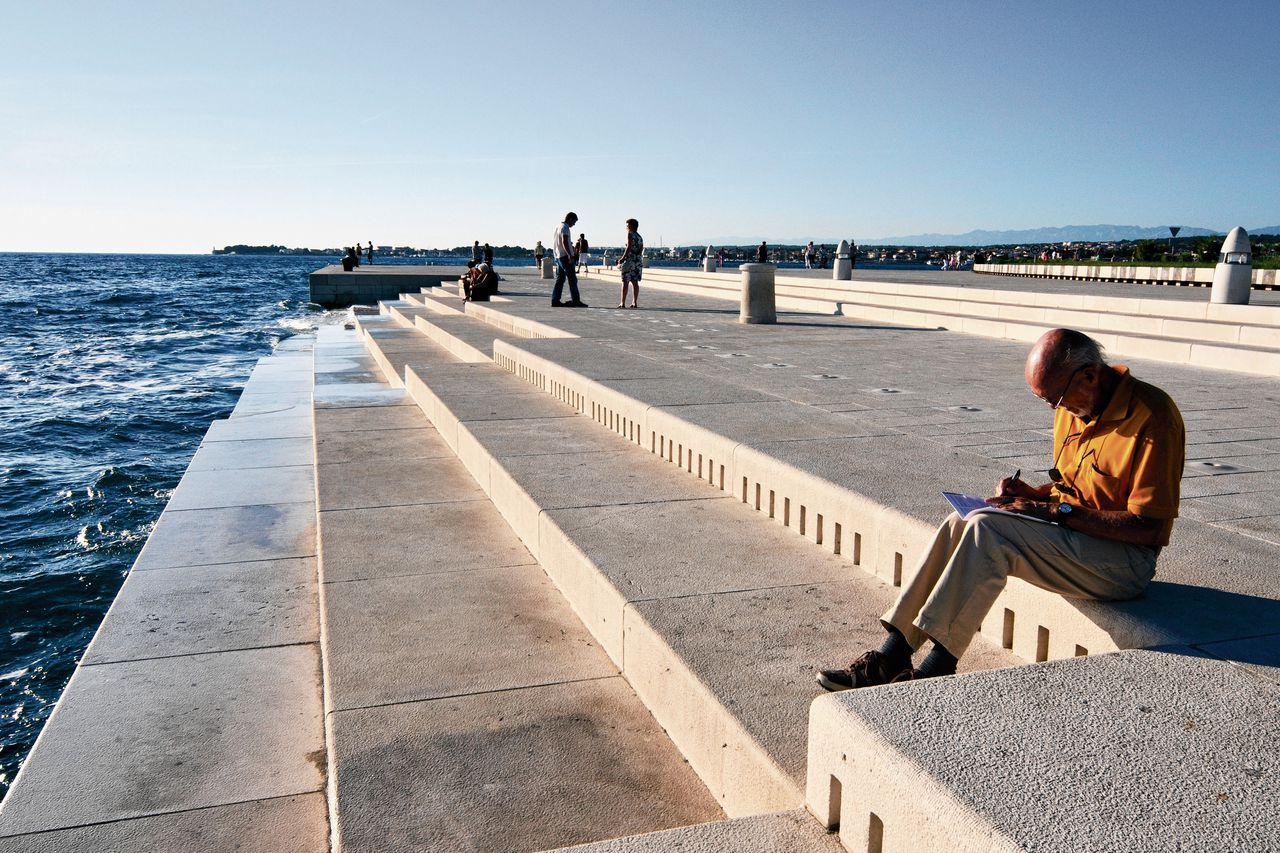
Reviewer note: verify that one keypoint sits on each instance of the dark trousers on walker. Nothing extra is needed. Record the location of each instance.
(565, 271)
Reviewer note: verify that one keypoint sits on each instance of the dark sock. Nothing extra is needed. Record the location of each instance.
(896, 648)
(939, 661)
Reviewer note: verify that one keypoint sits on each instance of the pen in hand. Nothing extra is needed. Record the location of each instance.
(1005, 486)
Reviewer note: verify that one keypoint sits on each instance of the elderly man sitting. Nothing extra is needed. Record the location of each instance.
(1119, 445)
(480, 284)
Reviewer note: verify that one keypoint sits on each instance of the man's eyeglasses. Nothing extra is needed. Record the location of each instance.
(1063, 395)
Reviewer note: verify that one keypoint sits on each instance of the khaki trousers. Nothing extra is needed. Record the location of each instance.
(969, 563)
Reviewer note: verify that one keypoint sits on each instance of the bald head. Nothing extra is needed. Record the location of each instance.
(1058, 353)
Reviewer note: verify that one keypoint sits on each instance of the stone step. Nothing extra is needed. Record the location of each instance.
(462, 695)
(465, 337)
(679, 583)
(1146, 328)
(795, 831)
(403, 312)
(1091, 300)
(1135, 751)
(392, 346)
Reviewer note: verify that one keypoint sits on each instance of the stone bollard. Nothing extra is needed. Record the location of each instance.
(709, 260)
(842, 269)
(548, 267)
(1233, 276)
(758, 305)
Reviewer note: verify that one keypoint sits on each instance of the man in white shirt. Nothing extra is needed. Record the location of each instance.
(566, 261)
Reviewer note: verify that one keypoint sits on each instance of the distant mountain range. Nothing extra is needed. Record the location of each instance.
(1064, 234)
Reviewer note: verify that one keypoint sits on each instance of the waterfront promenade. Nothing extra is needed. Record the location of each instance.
(638, 533)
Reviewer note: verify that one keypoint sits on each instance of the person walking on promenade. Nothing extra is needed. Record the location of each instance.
(762, 253)
(582, 249)
(1112, 497)
(488, 254)
(808, 256)
(357, 253)
(631, 264)
(370, 256)
(538, 254)
(566, 263)
(475, 251)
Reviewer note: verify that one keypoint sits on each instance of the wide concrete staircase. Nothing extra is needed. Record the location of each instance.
(651, 515)
(1244, 338)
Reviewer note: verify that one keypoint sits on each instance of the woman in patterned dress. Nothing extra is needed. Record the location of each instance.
(631, 263)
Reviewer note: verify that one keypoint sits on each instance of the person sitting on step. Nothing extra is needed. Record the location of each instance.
(1112, 497)
(483, 286)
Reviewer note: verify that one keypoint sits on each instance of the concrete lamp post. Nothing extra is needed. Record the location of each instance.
(842, 270)
(1233, 276)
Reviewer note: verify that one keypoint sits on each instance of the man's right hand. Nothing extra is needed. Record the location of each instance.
(1016, 487)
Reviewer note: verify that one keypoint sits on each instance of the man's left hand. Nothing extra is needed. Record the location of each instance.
(1042, 510)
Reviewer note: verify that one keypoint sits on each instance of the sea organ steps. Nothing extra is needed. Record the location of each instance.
(1232, 604)
(466, 705)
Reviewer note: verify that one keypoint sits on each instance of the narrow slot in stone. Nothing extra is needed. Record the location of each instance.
(786, 512)
(772, 501)
(857, 549)
(817, 533)
(722, 481)
(1042, 644)
(833, 805)
(757, 497)
(1006, 634)
(875, 834)
(1081, 651)
(897, 568)
(802, 513)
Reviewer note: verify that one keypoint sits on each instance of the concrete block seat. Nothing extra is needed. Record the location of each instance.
(716, 620)
(1145, 750)
(871, 495)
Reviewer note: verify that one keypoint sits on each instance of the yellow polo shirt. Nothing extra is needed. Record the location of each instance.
(1130, 458)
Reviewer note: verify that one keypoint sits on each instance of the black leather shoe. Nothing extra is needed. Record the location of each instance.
(578, 303)
(559, 304)
(870, 670)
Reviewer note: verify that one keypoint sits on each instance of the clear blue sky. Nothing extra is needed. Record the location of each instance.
(138, 127)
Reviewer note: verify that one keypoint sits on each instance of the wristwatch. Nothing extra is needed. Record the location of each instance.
(1061, 512)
